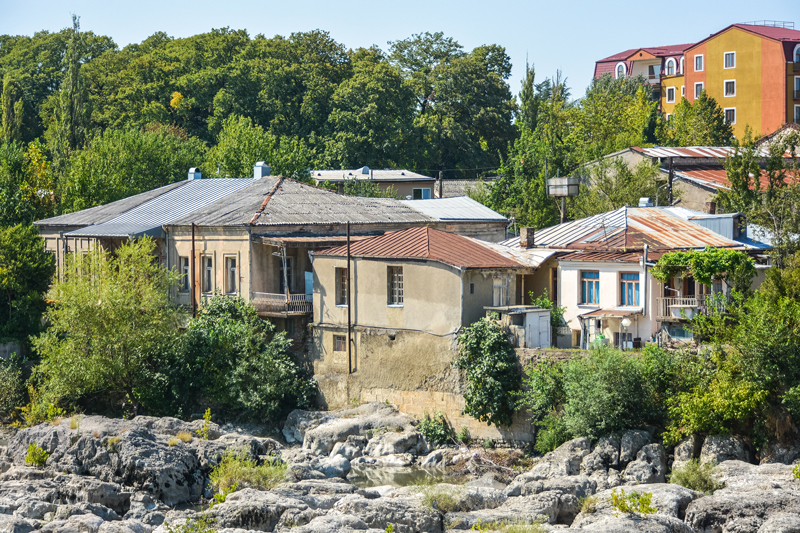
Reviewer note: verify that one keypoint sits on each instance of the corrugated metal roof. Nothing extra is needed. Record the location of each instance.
(694, 152)
(612, 313)
(148, 217)
(563, 235)
(616, 257)
(104, 213)
(389, 174)
(426, 243)
(462, 208)
(456, 188)
(717, 177)
(296, 203)
(530, 257)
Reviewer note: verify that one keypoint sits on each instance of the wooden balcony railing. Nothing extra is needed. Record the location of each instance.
(279, 304)
(685, 308)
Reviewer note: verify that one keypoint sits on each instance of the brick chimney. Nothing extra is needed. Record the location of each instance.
(711, 208)
(526, 238)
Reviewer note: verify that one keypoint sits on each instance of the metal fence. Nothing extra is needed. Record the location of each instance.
(294, 304)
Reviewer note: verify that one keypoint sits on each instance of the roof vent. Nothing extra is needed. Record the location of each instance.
(364, 170)
(194, 173)
(645, 202)
(261, 170)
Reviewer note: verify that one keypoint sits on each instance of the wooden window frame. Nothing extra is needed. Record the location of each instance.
(584, 299)
(395, 285)
(340, 280)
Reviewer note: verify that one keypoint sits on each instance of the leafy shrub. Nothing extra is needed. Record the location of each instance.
(444, 499)
(12, 386)
(236, 468)
(203, 524)
(588, 504)
(222, 495)
(695, 476)
(632, 503)
(436, 429)
(493, 378)
(203, 431)
(551, 433)
(488, 444)
(39, 409)
(796, 471)
(463, 435)
(36, 456)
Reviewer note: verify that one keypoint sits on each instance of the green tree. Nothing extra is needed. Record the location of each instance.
(701, 123)
(111, 320)
(611, 183)
(491, 369)
(120, 163)
(241, 144)
(11, 106)
(25, 273)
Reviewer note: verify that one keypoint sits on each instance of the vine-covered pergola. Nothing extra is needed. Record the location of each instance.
(733, 266)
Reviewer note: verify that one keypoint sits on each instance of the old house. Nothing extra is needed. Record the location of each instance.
(252, 237)
(390, 332)
(405, 183)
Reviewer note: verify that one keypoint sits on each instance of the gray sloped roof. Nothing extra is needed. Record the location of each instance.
(453, 188)
(148, 217)
(462, 208)
(299, 203)
(104, 213)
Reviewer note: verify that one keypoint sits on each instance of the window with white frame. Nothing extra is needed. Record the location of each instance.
(797, 114)
(341, 285)
(339, 343)
(797, 87)
(730, 115)
(682, 65)
(698, 63)
(730, 87)
(668, 116)
(208, 273)
(698, 89)
(683, 91)
(797, 54)
(670, 95)
(590, 287)
(621, 69)
(421, 194)
(499, 292)
(629, 288)
(394, 287)
(730, 59)
(670, 67)
(183, 264)
(231, 275)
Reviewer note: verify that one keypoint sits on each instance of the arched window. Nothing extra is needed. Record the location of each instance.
(670, 67)
(796, 54)
(681, 65)
(621, 70)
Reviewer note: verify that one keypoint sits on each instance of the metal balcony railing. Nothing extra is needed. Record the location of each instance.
(686, 308)
(280, 304)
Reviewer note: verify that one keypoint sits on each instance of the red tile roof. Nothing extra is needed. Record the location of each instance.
(426, 243)
(778, 34)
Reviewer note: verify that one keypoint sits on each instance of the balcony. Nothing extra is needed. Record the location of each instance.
(684, 309)
(278, 305)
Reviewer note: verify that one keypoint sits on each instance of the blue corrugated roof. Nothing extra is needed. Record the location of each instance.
(147, 218)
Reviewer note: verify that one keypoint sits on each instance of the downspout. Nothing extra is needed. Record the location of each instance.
(644, 285)
(166, 238)
(194, 279)
(349, 306)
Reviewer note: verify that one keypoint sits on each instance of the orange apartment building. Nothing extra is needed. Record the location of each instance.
(752, 71)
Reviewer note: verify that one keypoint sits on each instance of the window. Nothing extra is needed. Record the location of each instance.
(797, 114)
(554, 285)
(730, 59)
(797, 87)
(670, 67)
(621, 69)
(683, 91)
(289, 274)
(797, 54)
(653, 72)
(231, 277)
(698, 89)
(339, 343)
(208, 274)
(730, 115)
(668, 116)
(670, 94)
(698, 63)
(183, 264)
(395, 285)
(472, 288)
(590, 287)
(682, 66)
(421, 194)
(730, 87)
(629, 288)
(499, 292)
(341, 286)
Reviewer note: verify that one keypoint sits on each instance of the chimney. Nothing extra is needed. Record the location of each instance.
(261, 170)
(526, 239)
(711, 208)
(440, 184)
(194, 173)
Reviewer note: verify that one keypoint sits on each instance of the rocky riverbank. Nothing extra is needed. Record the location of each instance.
(133, 476)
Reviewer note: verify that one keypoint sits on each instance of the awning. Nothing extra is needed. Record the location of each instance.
(611, 313)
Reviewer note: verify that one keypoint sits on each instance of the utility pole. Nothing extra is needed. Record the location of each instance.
(669, 183)
(194, 279)
(349, 306)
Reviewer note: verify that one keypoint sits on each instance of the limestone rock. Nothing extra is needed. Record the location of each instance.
(718, 448)
(405, 513)
(630, 444)
(521, 510)
(563, 461)
(650, 466)
(351, 448)
(719, 511)
(781, 453)
(15, 524)
(392, 443)
(781, 523)
(605, 455)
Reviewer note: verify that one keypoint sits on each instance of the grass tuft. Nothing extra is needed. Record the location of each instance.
(173, 441)
(694, 476)
(235, 468)
(185, 436)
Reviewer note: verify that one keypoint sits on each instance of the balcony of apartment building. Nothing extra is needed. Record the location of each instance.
(685, 308)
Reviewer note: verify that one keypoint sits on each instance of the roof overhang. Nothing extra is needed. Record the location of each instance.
(612, 313)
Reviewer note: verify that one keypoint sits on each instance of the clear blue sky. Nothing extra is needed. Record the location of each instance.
(565, 35)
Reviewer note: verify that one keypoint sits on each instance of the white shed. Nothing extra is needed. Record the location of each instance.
(527, 324)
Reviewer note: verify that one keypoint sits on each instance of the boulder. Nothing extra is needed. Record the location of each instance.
(335, 521)
(781, 523)
(719, 448)
(335, 466)
(650, 466)
(753, 508)
(780, 453)
(15, 524)
(392, 443)
(405, 513)
(521, 510)
(463, 498)
(351, 448)
(563, 461)
(254, 510)
(605, 455)
(630, 444)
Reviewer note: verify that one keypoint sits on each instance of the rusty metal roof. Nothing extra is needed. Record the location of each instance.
(426, 243)
(616, 257)
(717, 177)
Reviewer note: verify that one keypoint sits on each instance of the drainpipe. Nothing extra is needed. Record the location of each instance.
(644, 285)
(166, 238)
(194, 281)
(349, 306)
